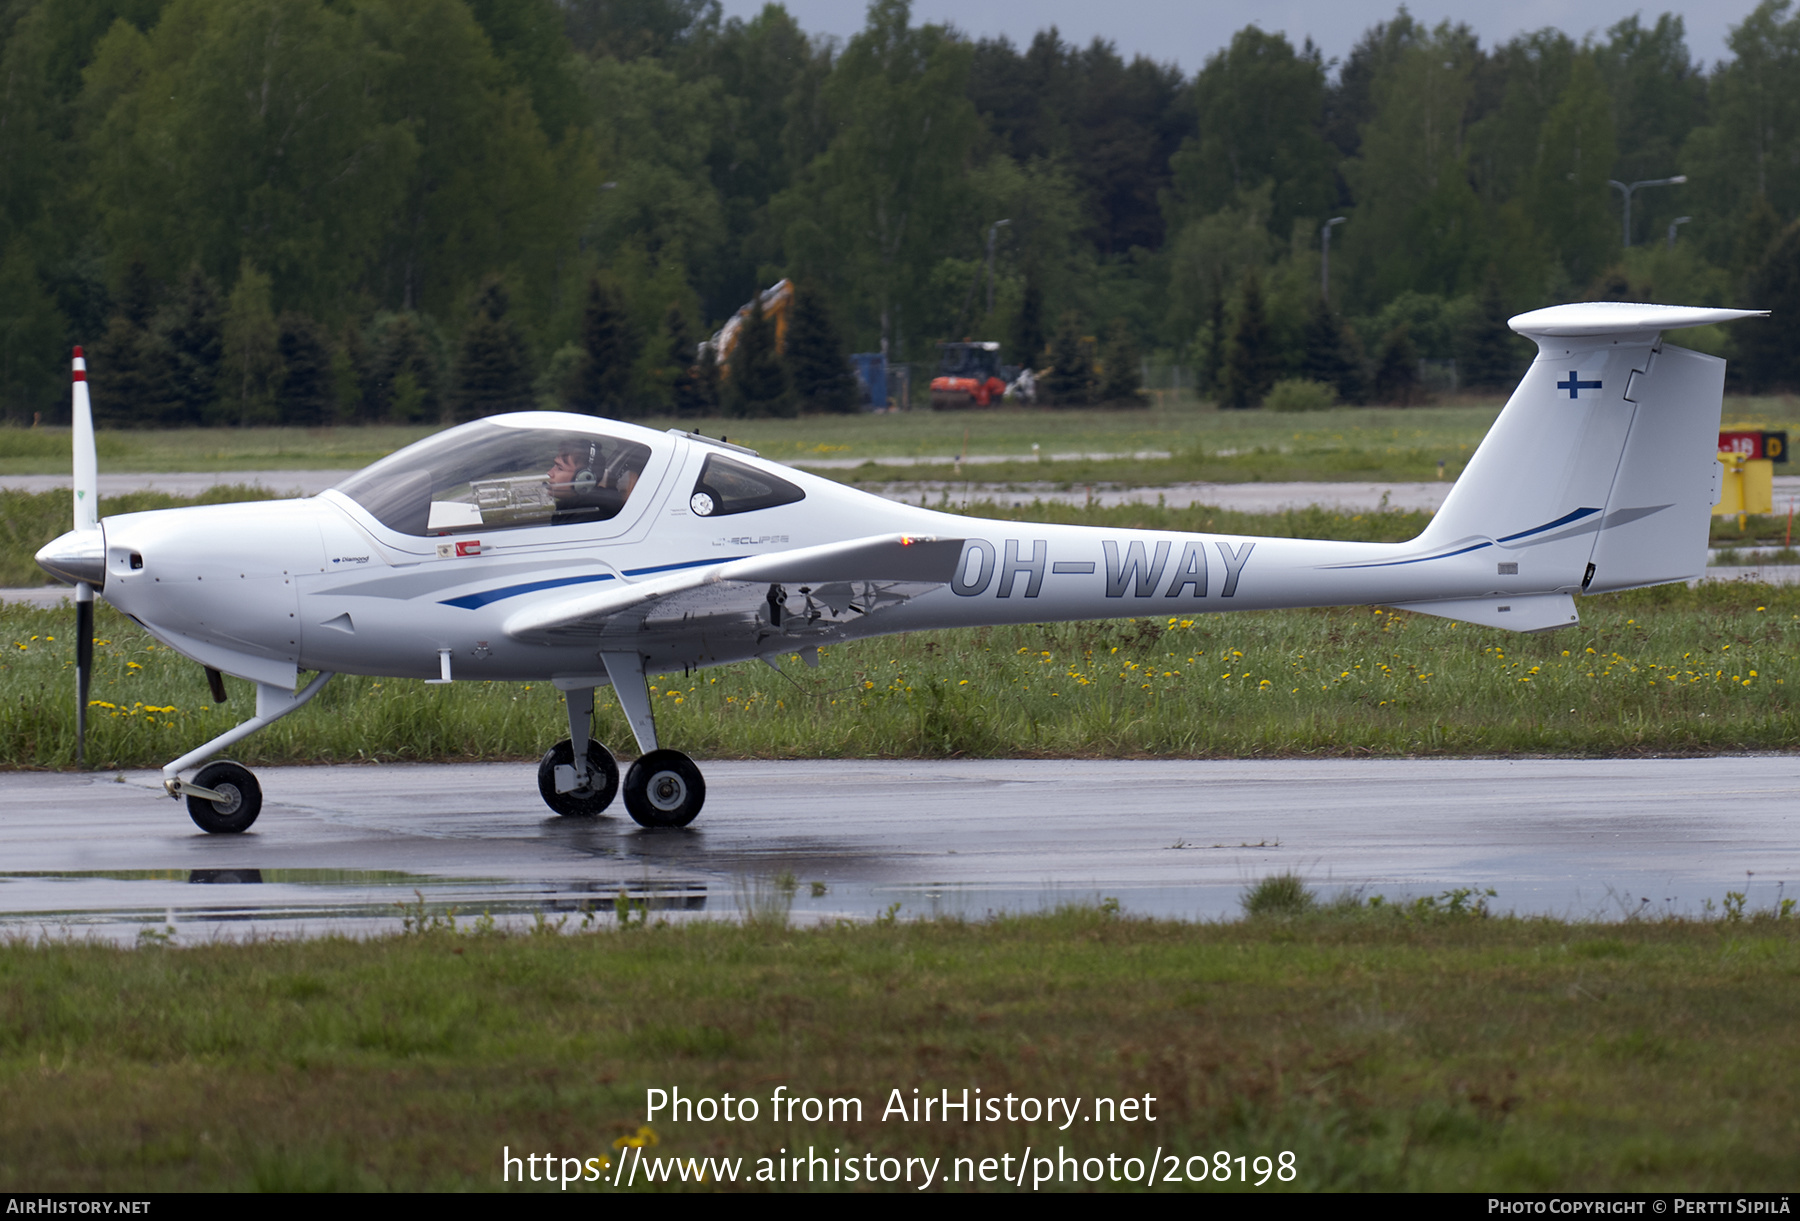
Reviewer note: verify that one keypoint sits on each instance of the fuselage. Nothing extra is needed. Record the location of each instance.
(264, 588)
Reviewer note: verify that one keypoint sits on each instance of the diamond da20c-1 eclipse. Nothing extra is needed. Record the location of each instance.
(582, 552)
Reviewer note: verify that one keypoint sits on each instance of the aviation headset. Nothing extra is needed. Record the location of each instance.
(584, 480)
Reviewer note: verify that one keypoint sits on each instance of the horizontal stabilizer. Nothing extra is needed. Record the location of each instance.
(1622, 319)
(1532, 613)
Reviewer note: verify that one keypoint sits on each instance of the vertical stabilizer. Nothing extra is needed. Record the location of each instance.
(1603, 456)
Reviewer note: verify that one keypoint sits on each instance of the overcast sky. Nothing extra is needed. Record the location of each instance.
(1188, 32)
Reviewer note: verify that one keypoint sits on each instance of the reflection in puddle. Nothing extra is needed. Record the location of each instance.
(243, 903)
(124, 905)
(239, 903)
(224, 877)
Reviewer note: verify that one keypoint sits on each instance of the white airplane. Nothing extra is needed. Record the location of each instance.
(544, 546)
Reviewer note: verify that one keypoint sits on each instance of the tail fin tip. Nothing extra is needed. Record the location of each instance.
(1596, 318)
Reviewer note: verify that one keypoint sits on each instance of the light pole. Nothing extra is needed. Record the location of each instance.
(1325, 256)
(993, 233)
(1679, 220)
(1627, 190)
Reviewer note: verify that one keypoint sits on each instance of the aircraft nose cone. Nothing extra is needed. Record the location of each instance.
(79, 555)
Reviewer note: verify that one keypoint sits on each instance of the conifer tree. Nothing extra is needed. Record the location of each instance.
(610, 349)
(358, 394)
(1250, 357)
(1027, 341)
(1397, 369)
(195, 340)
(1488, 360)
(1122, 381)
(1070, 382)
(1756, 235)
(252, 357)
(307, 398)
(126, 391)
(685, 383)
(759, 382)
(1332, 354)
(407, 382)
(1212, 368)
(1768, 355)
(493, 364)
(706, 381)
(33, 362)
(818, 365)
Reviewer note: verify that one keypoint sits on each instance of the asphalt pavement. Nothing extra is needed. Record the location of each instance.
(359, 848)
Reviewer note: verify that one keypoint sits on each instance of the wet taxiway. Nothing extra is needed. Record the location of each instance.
(358, 849)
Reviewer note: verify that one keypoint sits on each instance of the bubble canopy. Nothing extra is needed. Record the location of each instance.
(489, 475)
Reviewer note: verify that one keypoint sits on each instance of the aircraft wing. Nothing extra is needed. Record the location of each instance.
(805, 592)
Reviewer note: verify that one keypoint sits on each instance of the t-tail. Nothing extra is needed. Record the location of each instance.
(1600, 474)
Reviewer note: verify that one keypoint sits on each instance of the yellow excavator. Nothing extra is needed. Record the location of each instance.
(777, 301)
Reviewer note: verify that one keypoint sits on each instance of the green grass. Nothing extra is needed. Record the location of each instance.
(1329, 463)
(1174, 428)
(1403, 442)
(1669, 670)
(1422, 1047)
(45, 451)
(1205, 445)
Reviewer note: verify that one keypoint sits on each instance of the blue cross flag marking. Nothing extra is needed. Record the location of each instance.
(1575, 385)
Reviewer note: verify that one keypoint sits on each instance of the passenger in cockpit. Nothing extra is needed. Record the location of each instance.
(571, 475)
(584, 485)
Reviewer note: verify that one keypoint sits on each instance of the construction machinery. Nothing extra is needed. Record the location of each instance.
(968, 375)
(776, 301)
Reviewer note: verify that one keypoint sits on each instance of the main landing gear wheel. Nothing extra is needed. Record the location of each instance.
(243, 799)
(602, 786)
(664, 789)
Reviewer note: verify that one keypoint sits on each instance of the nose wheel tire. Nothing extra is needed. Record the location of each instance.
(602, 785)
(243, 799)
(664, 789)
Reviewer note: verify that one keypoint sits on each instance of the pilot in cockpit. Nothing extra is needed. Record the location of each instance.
(585, 485)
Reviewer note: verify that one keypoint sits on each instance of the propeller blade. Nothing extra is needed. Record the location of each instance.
(87, 462)
(86, 517)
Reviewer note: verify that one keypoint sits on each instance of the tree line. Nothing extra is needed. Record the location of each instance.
(300, 211)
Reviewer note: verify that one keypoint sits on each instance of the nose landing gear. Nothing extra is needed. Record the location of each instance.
(238, 803)
(224, 798)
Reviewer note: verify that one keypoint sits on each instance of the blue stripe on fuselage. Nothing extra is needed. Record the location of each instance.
(472, 601)
(489, 596)
(1564, 520)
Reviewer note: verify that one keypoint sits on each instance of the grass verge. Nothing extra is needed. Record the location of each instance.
(1668, 670)
(1177, 427)
(1428, 1047)
(1377, 443)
